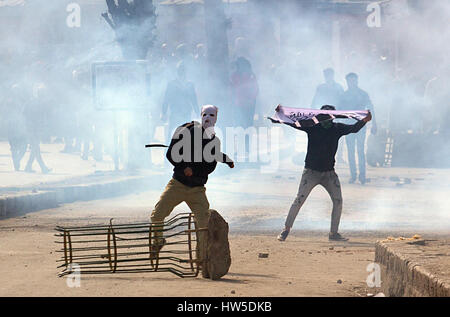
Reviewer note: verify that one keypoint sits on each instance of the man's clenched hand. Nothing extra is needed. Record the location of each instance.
(368, 118)
(188, 172)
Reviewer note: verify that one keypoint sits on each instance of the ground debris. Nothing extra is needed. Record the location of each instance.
(414, 237)
(417, 242)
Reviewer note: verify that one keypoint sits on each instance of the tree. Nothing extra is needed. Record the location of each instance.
(134, 23)
(216, 26)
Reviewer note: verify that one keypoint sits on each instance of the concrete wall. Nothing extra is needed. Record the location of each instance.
(402, 277)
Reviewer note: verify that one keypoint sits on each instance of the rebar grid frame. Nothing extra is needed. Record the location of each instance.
(131, 248)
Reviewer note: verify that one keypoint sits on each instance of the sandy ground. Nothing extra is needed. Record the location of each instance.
(307, 264)
(396, 202)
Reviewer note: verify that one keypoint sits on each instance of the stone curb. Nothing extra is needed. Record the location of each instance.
(20, 203)
(403, 277)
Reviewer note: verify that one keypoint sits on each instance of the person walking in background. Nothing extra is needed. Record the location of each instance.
(354, 98)
(85, 111)
(180, 100)
(245, 91)
(328, 93)
(200, 73)
(34, 117)
(16, 127)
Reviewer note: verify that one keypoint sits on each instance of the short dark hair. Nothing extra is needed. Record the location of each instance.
(328, 70)
(327, 107)
(351, 75)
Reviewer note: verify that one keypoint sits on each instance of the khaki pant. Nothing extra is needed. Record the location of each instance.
(310, 179)
(174, 194)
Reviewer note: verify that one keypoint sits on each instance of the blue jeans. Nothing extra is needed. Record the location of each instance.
(356, 140)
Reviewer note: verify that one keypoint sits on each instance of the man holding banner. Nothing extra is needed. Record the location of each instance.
(323, 138)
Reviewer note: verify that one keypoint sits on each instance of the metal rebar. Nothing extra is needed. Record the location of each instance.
(101, 255)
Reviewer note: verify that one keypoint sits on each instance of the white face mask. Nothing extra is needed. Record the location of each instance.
(209, 117)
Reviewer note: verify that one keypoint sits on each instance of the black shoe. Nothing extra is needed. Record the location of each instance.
(283, 235)
(336, 237)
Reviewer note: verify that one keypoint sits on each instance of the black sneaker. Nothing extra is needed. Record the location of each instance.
(336, 237)
(283, 235)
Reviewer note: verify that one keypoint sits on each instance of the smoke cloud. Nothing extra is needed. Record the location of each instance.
(399, 49)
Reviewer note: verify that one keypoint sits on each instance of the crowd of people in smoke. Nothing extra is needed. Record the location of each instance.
(52, 103)
(46, 102)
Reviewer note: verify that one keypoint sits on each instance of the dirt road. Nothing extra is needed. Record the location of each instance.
(306, 265)
(397, 202)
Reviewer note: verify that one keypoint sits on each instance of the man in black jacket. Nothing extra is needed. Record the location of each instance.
(194, 152)
(323, 141)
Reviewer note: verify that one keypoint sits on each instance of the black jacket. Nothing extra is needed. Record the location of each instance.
(198, 159)
(323, 144)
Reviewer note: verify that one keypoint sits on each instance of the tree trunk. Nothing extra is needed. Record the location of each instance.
(217, 55)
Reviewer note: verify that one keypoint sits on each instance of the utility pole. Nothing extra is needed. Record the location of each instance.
(134, 24)
(216, 24)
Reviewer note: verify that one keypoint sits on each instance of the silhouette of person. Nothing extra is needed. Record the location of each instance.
(35, 117)
(328, 93)
(179, 101)
(354, 98)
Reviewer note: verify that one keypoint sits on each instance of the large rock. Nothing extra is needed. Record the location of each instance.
(217, 257)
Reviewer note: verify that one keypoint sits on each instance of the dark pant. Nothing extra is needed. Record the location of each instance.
(35, 153)
(356, 141)
(18, 149)
(310, 179)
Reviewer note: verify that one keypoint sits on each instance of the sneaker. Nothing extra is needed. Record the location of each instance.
(283, 235)
(352, 180)
(336, 237)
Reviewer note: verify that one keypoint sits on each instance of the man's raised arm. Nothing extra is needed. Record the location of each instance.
(354, 128)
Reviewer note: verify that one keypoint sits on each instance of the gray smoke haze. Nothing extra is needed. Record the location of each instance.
(403, 65)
